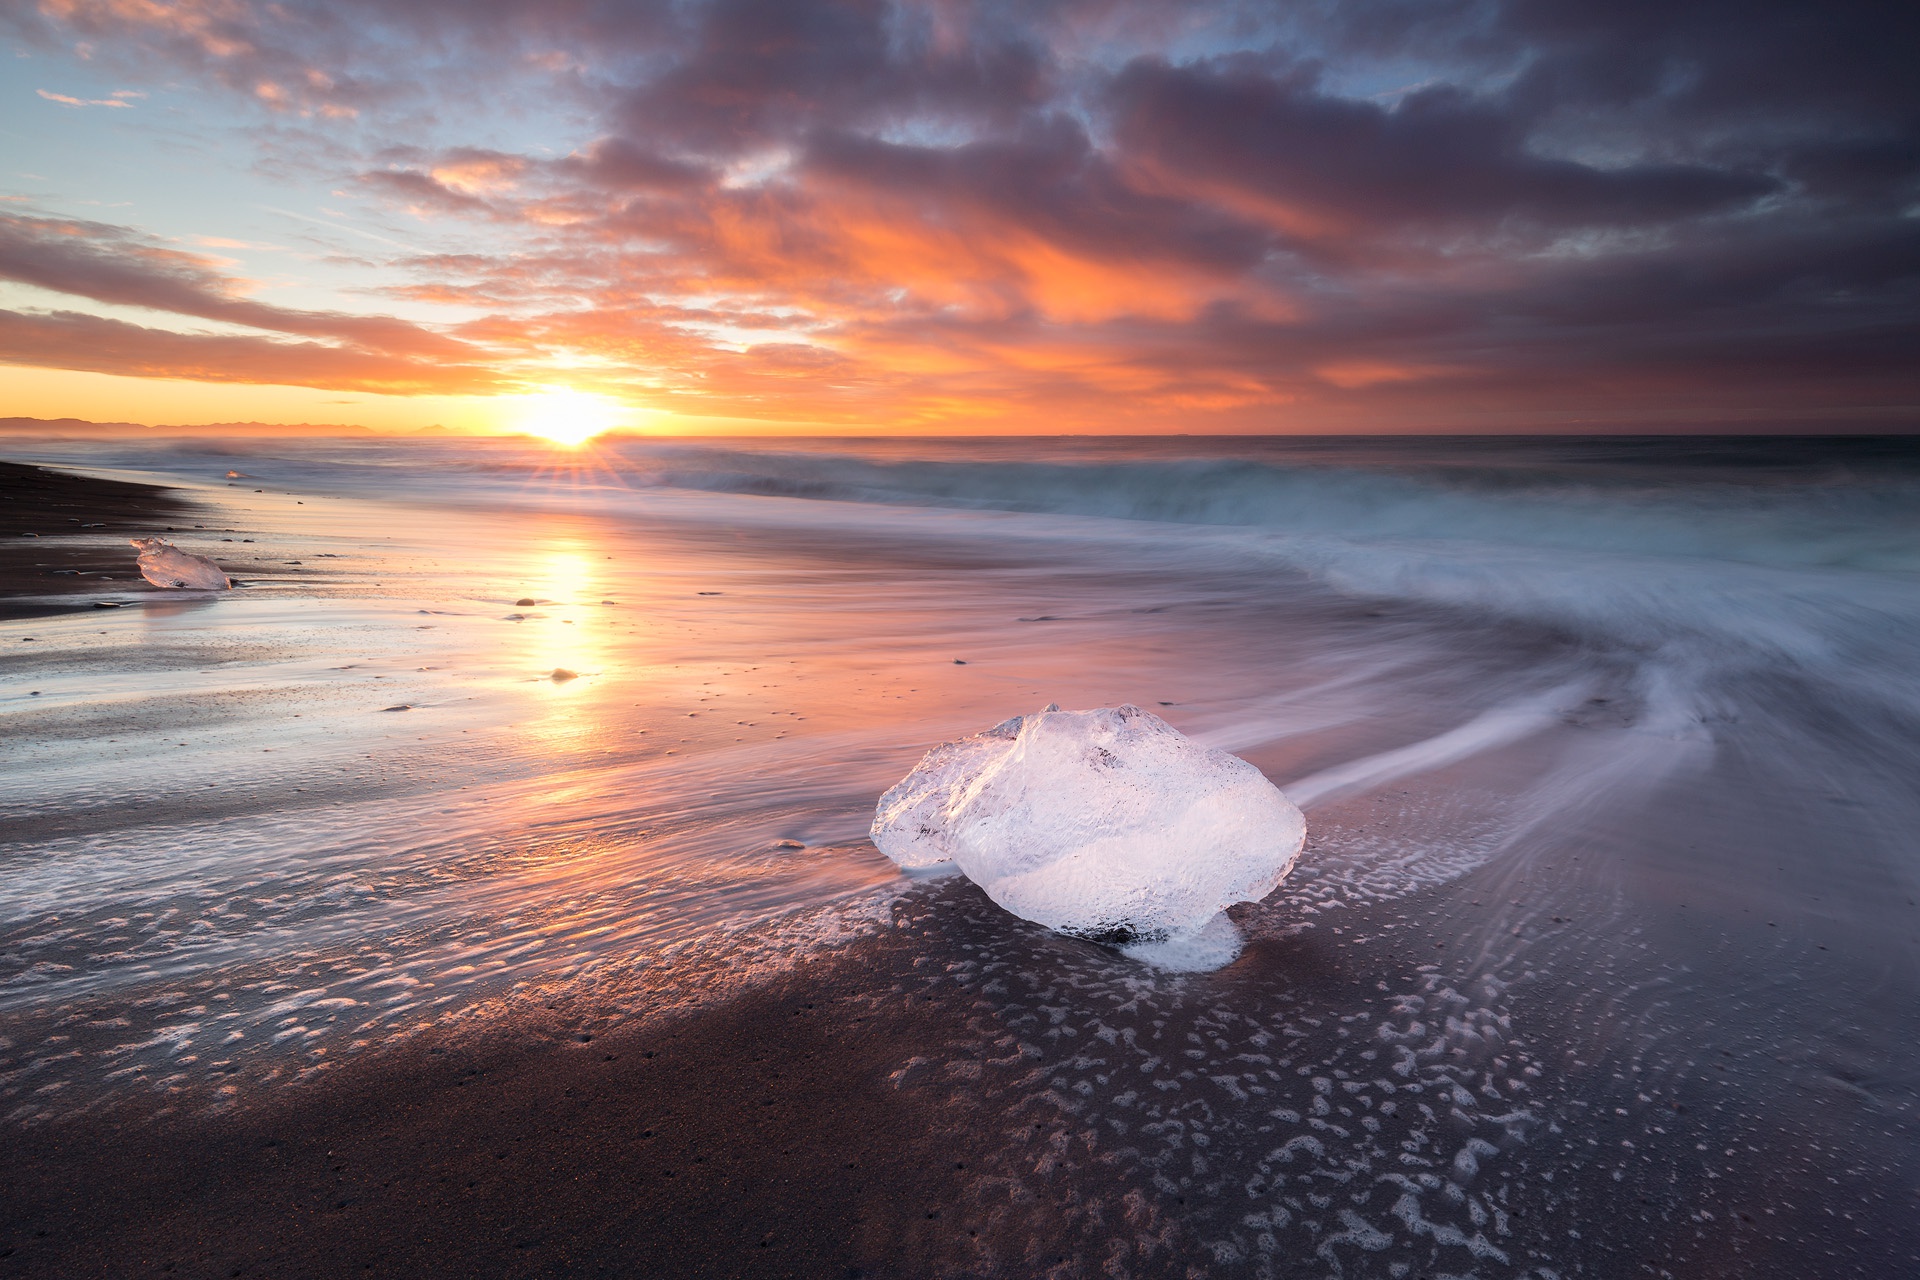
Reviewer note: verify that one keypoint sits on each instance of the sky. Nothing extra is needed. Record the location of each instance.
(935, 217)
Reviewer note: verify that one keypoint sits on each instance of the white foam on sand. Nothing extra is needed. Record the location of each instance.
(1212, 946)
(1110, 825)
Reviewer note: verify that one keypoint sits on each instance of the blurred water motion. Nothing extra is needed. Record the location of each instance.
(1607, 756)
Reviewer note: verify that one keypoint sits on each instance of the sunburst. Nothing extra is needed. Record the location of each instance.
(568, 417)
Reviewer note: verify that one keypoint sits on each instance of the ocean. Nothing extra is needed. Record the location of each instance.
(1602, 959)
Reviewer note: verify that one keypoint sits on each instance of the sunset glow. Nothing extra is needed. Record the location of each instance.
(842, 216)
(1069, 638)
(568, 417)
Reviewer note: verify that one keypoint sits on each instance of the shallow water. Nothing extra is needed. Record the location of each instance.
(1607, 917)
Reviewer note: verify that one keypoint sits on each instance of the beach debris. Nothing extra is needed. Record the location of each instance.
(1109, 825)
(165, 565)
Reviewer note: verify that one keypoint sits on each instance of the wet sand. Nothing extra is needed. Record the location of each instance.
(763, 1139)
(66, 554)
(1567, 983)
(958, 1095)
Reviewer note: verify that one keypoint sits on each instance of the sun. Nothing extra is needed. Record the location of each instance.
(568, 417)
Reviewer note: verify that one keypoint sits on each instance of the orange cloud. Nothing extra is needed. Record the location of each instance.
(876, 214)
(64, 100)
(1352, 375)
(69, 340)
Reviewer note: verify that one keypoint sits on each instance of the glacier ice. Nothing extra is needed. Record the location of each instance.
(1110, 825)
(165, 565)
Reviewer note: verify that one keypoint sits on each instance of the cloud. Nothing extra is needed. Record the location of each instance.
(118, 265)
(116, 100)
(760, 72)
(1079, 212)
(73, 340)
(1323, 167)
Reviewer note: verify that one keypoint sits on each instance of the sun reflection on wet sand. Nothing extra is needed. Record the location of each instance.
(245, 839)
(568, 651)
(458, 825)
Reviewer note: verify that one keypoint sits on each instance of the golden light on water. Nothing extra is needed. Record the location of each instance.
(566, 633)
(568, 417)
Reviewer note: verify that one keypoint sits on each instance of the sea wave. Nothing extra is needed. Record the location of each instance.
(1718, 556)
(1860, 517)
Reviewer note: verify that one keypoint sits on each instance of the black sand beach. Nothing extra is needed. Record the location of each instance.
(341, 939)
(763, 1139)
(898, 1110)
(50, 527)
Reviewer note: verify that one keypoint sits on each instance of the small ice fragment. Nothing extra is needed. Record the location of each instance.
(165, 565)
(1110, 825)
(561, 674)
(1211, 946)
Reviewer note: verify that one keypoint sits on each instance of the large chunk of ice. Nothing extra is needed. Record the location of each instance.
(165, 565)
(1110, 825)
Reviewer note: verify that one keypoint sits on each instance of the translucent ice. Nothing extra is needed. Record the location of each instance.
(1110, 825)
(165, 565)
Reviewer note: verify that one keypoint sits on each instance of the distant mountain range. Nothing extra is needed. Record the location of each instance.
(80, 427)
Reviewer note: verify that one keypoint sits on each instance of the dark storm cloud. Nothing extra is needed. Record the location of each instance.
(760, 72)
(1822, 96)
(1095, 208)
(618, 164)
(1334, 166)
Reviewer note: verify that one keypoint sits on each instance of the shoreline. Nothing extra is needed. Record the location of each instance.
(299, 987)
(926, 1101)
(775, 1132)
(52, 526)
